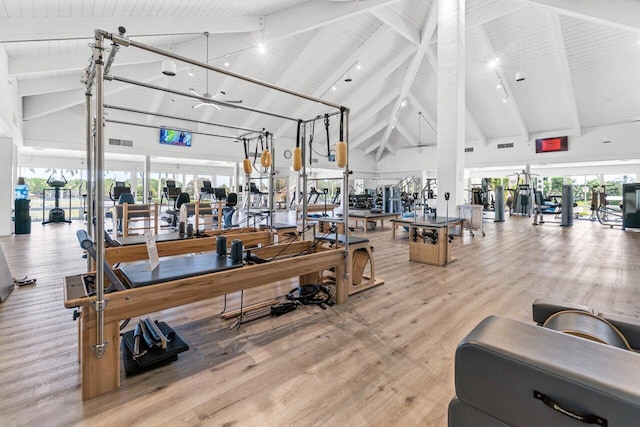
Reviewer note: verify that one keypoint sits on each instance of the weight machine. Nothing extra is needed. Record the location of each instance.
(56, 214)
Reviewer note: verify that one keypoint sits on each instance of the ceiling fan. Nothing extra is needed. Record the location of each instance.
(206, 94)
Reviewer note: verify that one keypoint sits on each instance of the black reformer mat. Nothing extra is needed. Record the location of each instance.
(138, 274)
(153, 358)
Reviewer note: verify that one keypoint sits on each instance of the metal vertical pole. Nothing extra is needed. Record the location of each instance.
(100, 346)
(89, 199)
(345, 200)
(304, 180)
(272, 183)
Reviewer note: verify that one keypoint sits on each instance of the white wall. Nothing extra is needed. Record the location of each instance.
(65, 130)
(588, 147)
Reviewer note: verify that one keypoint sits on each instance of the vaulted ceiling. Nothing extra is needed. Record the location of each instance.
(581, 60)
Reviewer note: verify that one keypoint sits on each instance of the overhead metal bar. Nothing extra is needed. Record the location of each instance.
(151, 113)
(124, 41)
(200, 98)
(321, 116)
(122, 122)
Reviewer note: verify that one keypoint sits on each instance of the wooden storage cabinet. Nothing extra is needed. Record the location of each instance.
(428, 245)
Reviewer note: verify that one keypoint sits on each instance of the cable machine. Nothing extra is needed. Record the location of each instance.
(94, 77)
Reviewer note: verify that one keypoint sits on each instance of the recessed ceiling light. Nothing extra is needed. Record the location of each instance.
(403, 103)
(226, 63)
(498, 86)
(334, 88)
(358, 65)
(261, 48)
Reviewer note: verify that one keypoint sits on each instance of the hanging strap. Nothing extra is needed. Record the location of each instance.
(341, 124)
(326, 128)
(298, 134)
(585, 418)
(256, 153)
(246, 148)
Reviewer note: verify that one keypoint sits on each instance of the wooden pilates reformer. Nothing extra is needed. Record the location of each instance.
(100, 314)
(101, 375)
(130, 253)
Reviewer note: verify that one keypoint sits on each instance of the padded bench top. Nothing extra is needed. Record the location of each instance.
(139, 274)
(279, 226)
(352, 239)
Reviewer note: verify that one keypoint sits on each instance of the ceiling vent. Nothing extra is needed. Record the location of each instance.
(468, 150)
(121, 142)
(507, 145)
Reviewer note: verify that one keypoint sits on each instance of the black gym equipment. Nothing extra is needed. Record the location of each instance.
(56, 214)
(206, 189)
(170, 192)
(118, 189)
(229, 210)
(631, 205)
(313, 194)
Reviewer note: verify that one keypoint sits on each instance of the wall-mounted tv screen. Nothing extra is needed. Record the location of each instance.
(547, 145)
(175, 137)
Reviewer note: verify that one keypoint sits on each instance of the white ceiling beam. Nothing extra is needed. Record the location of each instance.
(406, 134)
(392, 149)
(314, 14)
(370, 44)
(220, 45)
(418, 105)
(566, 71)
(488, 11)
(373, 147)
(360, 138)
(45, 64)
(371, 109)
(399, 25)
(37, 106)
(623, 14)
(65, 28)
(428, 28)
(48, 85)
(483, 38)
(471, 120)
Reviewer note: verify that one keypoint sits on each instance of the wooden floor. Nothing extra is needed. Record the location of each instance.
(384, 358)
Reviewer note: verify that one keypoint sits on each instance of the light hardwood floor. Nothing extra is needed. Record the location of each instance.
(384, 358)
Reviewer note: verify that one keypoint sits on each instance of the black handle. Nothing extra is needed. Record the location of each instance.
(585, 418)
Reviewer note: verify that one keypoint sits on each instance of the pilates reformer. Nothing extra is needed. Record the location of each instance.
(99, 323)
(177, 281)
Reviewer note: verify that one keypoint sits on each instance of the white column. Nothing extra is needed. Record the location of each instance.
(134, 185)
(236, 178)
(8, 175)
(147, 179)
(451, 104)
